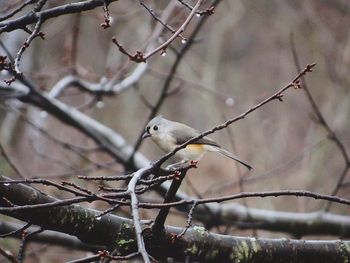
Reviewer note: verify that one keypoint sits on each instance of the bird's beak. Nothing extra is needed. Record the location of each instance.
(146, 135)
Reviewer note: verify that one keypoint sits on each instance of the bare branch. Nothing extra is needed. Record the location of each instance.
(10, 162)
(135, 211)
(159, 222)
(278, 95)
(25, 237)
(101, 88)
(111, 229)
(16, 10)
(17, 231)
(154, 15)
(30, 18)
(296, 193)
(176, 34)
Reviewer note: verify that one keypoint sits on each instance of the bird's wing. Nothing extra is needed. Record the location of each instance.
(182, 133)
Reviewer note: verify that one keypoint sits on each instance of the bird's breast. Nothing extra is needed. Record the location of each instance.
(165, 142)
(195, 147)
(191, 152)
(168, 143)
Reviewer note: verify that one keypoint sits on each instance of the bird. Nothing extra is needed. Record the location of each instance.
(169, 134)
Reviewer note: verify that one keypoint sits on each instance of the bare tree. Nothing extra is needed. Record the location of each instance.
(80, 81)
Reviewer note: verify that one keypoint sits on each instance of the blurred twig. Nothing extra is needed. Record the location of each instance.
(322, 121)
(25, 237)
(16, 10)
(10, 162)
(279, 170)
(157, 18)
(8, 255)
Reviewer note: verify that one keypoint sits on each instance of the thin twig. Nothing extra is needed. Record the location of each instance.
(176, 34)
(45, 182)
(189, 221)
(18, 9)
(278, 95)
(208, 11)
(279, 170)
(26, 44)
(106, 15)
(109, 198)
(31, 17)
(141, 57)
(10, 162)
(295, 193)
(25, 238)
(106, 178)
(157, 18)
(15, 232)
(107, 211)
(104, 255)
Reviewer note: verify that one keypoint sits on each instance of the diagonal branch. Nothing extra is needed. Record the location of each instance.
(16, 10)
(278, 95)
(159, 222)
(176, 34)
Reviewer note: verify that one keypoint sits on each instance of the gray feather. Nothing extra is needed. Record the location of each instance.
(183, 133)
(232, 156)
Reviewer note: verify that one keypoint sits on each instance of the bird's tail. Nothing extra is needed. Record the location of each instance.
(229, 155)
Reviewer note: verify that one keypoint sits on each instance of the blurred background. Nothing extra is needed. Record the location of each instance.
(242, 55)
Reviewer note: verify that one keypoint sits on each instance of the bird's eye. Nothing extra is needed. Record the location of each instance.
(155, 127)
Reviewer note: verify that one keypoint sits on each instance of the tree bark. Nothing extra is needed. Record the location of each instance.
(50, 237)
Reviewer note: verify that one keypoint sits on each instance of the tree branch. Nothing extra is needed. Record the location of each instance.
(197, 244)
(159, 222)
(50, 237)
(32, 17)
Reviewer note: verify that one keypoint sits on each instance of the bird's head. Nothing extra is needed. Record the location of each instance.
(155, 127)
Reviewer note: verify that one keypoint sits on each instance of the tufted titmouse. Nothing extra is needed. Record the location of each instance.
(169, 134)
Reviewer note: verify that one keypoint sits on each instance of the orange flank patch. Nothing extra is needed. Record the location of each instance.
(195, 147)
